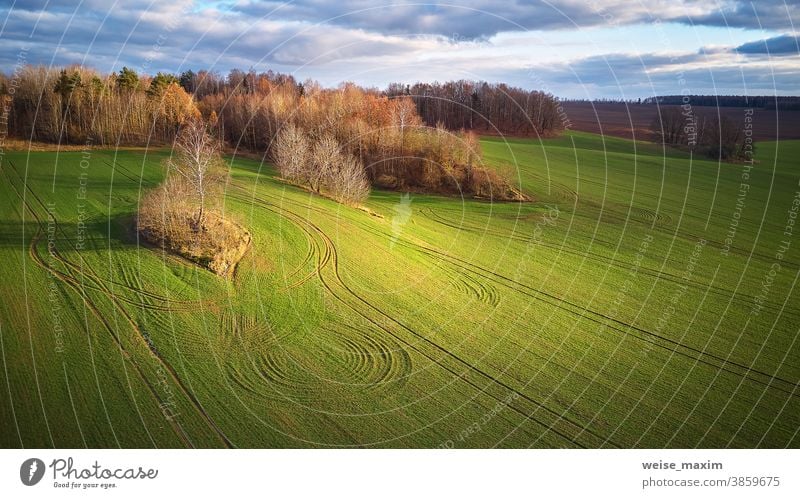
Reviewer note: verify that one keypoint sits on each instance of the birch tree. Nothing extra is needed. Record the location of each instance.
(348, 182)
(197, 160)
(327, 156)
(292, 153)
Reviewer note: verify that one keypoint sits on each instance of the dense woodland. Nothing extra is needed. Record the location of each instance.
(77, 105)
(418, 137)
(484, 107)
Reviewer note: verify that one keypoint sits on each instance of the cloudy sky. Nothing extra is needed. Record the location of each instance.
(571, 48)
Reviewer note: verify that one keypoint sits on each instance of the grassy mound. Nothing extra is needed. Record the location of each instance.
(215, 242)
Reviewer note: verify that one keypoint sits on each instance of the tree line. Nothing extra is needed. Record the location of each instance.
(784, 103)
(484, 107)
(79, 105)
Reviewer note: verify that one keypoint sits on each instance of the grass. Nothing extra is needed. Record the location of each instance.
(605, 314)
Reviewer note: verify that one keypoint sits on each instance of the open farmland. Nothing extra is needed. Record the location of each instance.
(616, 310)
(633, 121)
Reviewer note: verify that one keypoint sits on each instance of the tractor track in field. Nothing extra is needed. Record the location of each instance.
(124, 171)
(371, 364)
(555, 189)
(72, 283)
(714, 361)
(146, 299)
(250, 332)
(87, 272)
(477, 289)
(561, 425)
(306, 260)
(650, 217)
(662, 342)
(360, 349)
(94, 284)
(374, 364)
(276, 368)
(562, 189)
(75, 285)
(607, 260)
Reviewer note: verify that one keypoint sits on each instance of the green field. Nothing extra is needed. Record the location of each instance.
(609, 312)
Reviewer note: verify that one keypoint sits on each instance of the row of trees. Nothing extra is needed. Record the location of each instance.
(78, 105)
(320, 164)
(482, 106)
(719, 137)
(204, 83)
(457, 105)
(753, 101)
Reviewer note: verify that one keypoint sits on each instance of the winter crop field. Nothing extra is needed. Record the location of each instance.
(644, 298)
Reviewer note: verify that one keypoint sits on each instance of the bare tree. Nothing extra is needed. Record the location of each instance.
(348, 182)
(404, 114)
(327, 156)
(724, 138)
(669, 126)
(197, 160)
(292, 154)
(323, 166)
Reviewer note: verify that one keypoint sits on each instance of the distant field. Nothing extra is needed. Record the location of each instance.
(633, 121)
(610, 312)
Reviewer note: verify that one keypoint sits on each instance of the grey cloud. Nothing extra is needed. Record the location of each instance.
(155, 40)
(484, 18)
(779, 45)
(766, 14)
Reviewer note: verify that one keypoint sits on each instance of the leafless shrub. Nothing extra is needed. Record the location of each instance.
(724, 139)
